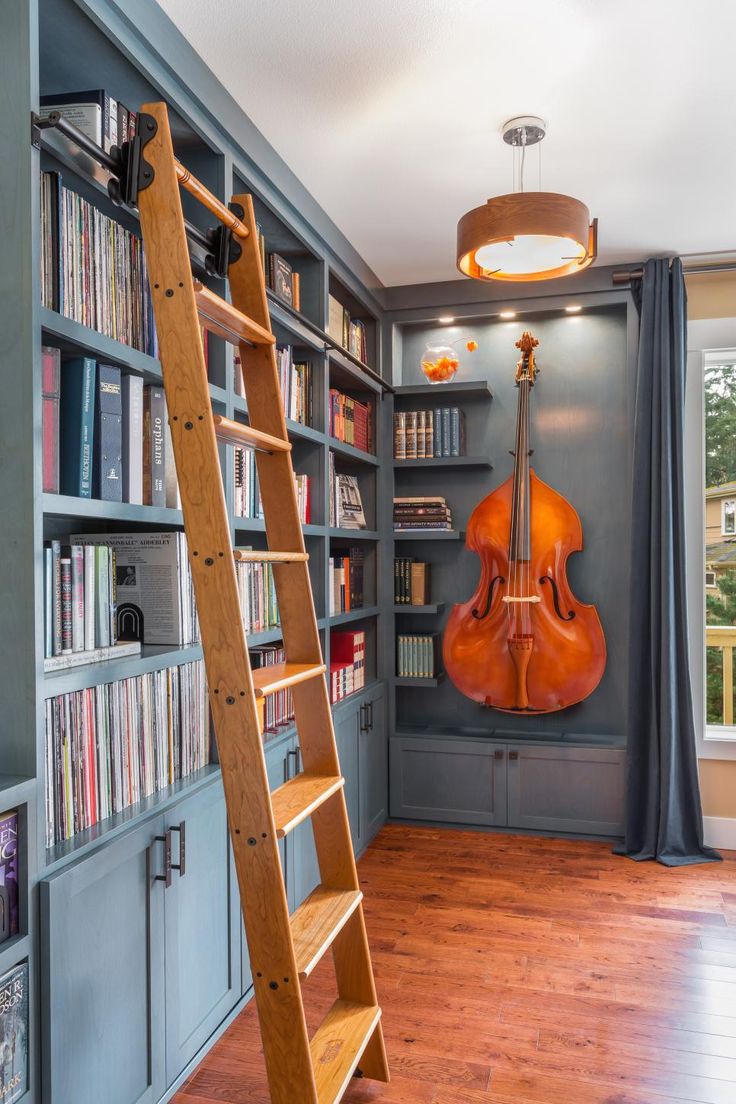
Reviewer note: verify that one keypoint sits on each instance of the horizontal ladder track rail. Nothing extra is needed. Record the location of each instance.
(236, 433)
(196, 188)
(226, 321)
(301, 796)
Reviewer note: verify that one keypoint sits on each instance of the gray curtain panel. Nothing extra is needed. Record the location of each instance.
(664, 816)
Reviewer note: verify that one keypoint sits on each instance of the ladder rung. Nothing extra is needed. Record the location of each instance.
(196, 188)
(279, 676)
(299, 797)
(235, 433)
(317, 921)
(338, 1044)
(248, 555)
(227, 321)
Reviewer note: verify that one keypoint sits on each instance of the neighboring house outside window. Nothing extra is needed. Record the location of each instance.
(728, 525)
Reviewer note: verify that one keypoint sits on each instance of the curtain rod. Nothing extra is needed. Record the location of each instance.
(697, 264)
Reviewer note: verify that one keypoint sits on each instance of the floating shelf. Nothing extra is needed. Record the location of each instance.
(354, 534)
(437, 607)
(428, 534)
(425, 683)
(353, 615)
(445, 462)
(470, 389)
(152, 658)
(67, 506)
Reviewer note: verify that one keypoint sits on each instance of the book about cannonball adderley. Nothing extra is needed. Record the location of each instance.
(14, 1034)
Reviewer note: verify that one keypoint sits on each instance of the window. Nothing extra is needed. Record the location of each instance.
(720, 547)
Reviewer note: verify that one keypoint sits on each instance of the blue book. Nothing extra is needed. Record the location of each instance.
(108, 440)
(77, 426)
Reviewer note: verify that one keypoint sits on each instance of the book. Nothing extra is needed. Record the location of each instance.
(155, 593)
(347, 663)
(56, 592)
(278, 707)
(102, 596)
(90, 596)
(120, 650)
(154, 447)
(420, 574)
(108, 435)
(346, 574)
(417, 655)
(14, 1033)
(50, 398)
(426, 434)
(48, 607)
(349, 511)
(66, 605)
(171, 482)
(132, 439)
(91, 111)
(9, 893)
(335, 318)
(281, 278)
(76, 555)
(351, 421)
(77, 426)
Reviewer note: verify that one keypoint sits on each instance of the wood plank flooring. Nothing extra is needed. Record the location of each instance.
(517, 970)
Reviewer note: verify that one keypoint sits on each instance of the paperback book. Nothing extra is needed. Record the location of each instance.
(14, 1034)
(9, 894)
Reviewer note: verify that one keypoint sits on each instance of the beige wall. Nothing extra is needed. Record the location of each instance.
(713, 295)
(713, 533)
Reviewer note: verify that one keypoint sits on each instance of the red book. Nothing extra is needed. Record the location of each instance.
(50, 375)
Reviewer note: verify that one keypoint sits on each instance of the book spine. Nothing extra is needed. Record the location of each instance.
(446, 431)
(50, 376)
(48, 572)
(56, 577)
(77, 558)
(90, 586)
(102, 596)
(154, 478)
(96, 655)
(132, 441)
(455, 432)
(437, 432)
(66, 605)
(108, 482)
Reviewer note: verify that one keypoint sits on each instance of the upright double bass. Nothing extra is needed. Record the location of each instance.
(523, 643)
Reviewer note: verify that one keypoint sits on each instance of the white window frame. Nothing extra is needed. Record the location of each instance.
(727, 502)
(714, 582)
(713, 741)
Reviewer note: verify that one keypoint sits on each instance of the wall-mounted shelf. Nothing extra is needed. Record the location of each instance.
(153, 657)
(354, 534)
(435, 608)
(353, 615)
(428, 534)
(445, 462)
(470, 389)
(66, 506)
(424, 683)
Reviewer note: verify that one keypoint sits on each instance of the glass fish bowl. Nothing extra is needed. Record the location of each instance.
(439, 363)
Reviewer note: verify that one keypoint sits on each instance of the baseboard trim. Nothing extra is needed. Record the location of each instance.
(720, 832)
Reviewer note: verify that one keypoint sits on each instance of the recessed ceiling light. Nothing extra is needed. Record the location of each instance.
(573, 309)
(446, 319)
(507, 314)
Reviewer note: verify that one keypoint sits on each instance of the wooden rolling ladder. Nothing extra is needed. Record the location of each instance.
(283, 949)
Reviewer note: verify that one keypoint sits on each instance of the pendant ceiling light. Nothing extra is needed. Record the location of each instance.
(526, 235)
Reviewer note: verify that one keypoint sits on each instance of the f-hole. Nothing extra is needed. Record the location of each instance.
(489, 598)
(556, 598)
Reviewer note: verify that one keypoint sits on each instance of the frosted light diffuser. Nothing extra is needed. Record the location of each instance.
(527, 253)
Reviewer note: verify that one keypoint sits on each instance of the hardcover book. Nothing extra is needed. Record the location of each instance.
(14, 1034)
(9, 895)
(50, 384)
(77, 425)
(281, 278)
(88, 111)
(108, 476)
(132, 430)
(154, 446)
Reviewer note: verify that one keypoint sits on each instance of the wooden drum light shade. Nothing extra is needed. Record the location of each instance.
(547, 235)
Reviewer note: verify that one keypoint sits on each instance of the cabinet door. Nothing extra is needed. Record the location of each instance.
(202, 925)
(347, 736)
(458, 781)
(373, 765)
(103, 985)
(566, 789)
(303, 859)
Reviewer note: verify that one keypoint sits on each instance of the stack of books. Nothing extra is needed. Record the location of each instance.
(348, 332)
(411, 582)
(295, 379)
(278, 707)
(280, 276)
(110, 746)
(351, 421)
(258, 604)
(346, 503)
(92, 269)
(105, 434)
(423, 513)
(247, 495)
(347, 663)
(9, 875)
(346, 581)
(425, 434)
(417, 655)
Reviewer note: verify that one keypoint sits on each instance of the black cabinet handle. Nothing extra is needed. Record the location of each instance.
(513, 755)
(166, 876)
(181, 866)
(370, 716)
(364, 717)
(295, 753)
(498, 754)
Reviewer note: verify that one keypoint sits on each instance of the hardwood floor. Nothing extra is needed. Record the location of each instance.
(517, 970)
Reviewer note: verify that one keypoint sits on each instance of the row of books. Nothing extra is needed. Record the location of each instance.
(258, 603)
(105, 120)
(14, 1083)
(423, 512)
(424, 434)
(9, 893)
(346, 502)
(93, 270)
(349, 332)
(282, 279)
(417, 655)
(278, 707)
(105, 434)
(346, 580)
(347, 663)
(110, 746)
(247, 501)
(295, 379)
(411, 582)
(116, 590)
(351, 421)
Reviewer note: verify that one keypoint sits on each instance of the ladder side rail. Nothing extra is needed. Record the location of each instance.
(231, 692)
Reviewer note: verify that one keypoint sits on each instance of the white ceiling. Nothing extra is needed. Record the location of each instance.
(389, 111)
